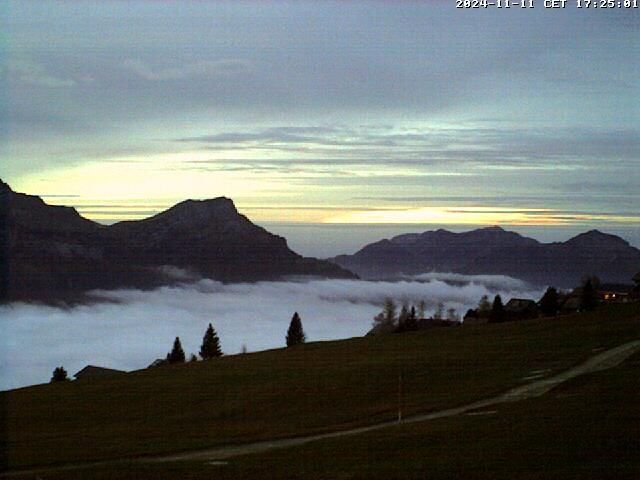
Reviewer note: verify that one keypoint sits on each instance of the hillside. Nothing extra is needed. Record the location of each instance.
(290, 392)
(496, 251)
(583, 429)
(52, 253)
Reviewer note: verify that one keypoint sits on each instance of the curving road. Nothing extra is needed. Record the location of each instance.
(602, 361)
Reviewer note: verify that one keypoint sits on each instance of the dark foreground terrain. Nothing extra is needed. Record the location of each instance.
(586, 428)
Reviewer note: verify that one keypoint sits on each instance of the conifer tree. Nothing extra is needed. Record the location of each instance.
(484, 307)
(549, 304)
(421, 309)
(210, 344)
(402, 318)
(412, 320)
(452, 315)
(389, 311)
(59, 375)
(589, 297)
(497, 310)
(177, 353)
(295, 334)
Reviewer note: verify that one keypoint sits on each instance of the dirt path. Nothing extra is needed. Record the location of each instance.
(602, 361)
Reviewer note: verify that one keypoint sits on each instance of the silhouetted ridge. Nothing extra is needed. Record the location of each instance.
(53, 253)
(597, 238)
(493, 250)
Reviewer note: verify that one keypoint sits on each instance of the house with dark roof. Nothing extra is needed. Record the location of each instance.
(158, 362)
(91, 371)
(614, 293)
(520, 309)
(473, 317)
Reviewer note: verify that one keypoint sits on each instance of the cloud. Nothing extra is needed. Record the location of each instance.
(542, 148)
(128, 329)
(494, 282)
(31, 73)
(204, 68)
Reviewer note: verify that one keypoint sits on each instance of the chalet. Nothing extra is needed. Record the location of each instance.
(91, 371)
(472, 317)
(158, 362)
(614, 293)
(520, 309)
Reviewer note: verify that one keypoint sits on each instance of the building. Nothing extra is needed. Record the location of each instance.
(614, 293)
(571, 302)
(520, 309)
(472, 317)
(158, 362)
(91, 371)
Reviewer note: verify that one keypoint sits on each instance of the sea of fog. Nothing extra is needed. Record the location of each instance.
(128, 329)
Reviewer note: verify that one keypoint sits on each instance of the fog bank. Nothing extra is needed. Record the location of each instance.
(128, 329)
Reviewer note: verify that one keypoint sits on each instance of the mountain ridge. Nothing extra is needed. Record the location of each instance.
(52, 253)
(494, 250)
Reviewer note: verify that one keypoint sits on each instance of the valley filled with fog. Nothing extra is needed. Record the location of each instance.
(129, 329)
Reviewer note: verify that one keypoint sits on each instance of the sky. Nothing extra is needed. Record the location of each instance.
(129, 329)
(412, 114)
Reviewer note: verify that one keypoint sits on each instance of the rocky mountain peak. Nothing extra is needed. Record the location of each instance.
(55, 254)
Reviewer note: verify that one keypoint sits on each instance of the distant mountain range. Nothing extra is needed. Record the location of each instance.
(496, 251)
(51, 253)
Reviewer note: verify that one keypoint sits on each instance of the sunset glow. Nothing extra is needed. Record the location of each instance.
(410, 113)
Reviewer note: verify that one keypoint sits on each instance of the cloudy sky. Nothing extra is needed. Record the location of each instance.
(326, 112)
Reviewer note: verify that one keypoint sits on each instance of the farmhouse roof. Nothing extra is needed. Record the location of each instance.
(91, 371)
(519, 305)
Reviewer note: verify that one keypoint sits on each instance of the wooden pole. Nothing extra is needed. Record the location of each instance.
(399, 397)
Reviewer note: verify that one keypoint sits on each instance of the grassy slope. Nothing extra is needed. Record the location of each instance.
(322, 386)
(587, 428)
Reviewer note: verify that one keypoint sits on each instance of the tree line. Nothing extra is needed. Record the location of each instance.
(412, 317)
(210, 347)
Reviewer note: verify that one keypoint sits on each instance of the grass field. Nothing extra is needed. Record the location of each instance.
(587, 428)
(317, 387)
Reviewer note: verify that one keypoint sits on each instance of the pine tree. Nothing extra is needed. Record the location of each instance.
(389, 311)
(177, 353)
(497, 310)
(484, 307)
(589, 297)
(421, 309)
(59, 375)
(402, 318)
(295, 334)
(210, 344)
(549, 303)
(412, 320)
